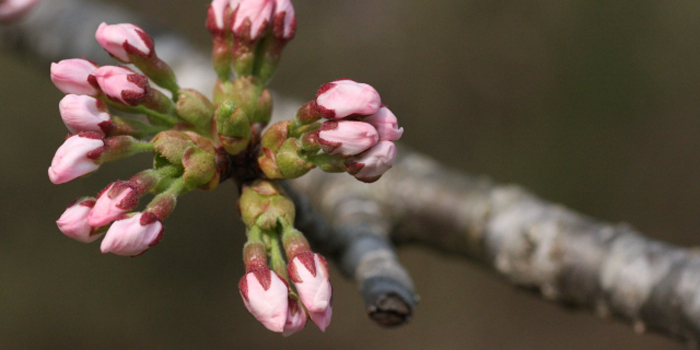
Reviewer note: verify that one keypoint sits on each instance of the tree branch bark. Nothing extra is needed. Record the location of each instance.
(568, 257)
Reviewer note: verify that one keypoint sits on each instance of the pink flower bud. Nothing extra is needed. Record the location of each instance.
(132, 236)
(73, 223)
(71, 76)
(346, 137)
(386, 124)
(251, 18)
(265, 296)
(114, 201)
(296, 318)
(84, 113)
(11, 10)
(342, 98)
(122, 84)
(75, 157)
(371, 165)
(322, 319)
(309, 272)
(284, 20)
(122, 40)
(218, 14)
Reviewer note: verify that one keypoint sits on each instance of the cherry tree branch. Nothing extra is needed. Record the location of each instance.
(569, 258)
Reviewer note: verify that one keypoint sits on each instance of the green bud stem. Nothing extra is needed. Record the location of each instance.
(133, 127)
(157, 118)
(163, 204)
(158, 71)
(120, 147)
(277, 261)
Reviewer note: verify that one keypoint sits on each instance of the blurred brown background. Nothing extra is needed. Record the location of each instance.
(591, 103)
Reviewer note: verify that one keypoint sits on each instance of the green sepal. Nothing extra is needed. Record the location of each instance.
(196, 109)
(289, 160)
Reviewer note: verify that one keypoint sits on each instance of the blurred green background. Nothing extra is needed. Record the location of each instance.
(590, 103)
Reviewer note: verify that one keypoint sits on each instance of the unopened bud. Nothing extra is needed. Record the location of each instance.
(76, 157)
(129, 43)
(233, 127)
(344, 98)
(290, 162)
(264, 294)
(268, 164)
(251, 19)
(124, 40)
(172, 145)
(74, 221)
(263, 108)
(296, 317)
(85, 113)
(346, 137)
(371, 165)
(71, 76)
(386, 124)
(195, 108)
(274, 136)
(122, 84)
(200, 168)
(132, 236)
(263, 204)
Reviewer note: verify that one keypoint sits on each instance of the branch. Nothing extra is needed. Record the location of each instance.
(571, 259)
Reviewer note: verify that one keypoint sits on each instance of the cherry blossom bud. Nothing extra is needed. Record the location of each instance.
(132, 236)
(73, 222)
(84, 113)
(74, 159)
(296, 318)
(122, 84)
(114, 201)
(343, 98)
(122, 40)
(71, 76)
(371, 165)
(218, 15)
(251, 19)
(386, 124)
(346, 137)
(11, 10)
(265, 295)
(309, 272)
(284, 20)
(322, 319)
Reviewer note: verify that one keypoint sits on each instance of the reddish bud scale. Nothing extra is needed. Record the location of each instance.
(308, 113)
(307, 259)
(254, 256)
(148, 218)
(295, 244)
(279, 26)
(130, 201)
(147, 40)
(328, 146)
(160, 209)
(134, 98)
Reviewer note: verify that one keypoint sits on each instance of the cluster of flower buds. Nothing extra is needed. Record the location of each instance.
(356, 137)
(113, 112)
(265, 288)
(98, 136)
(249, 36)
